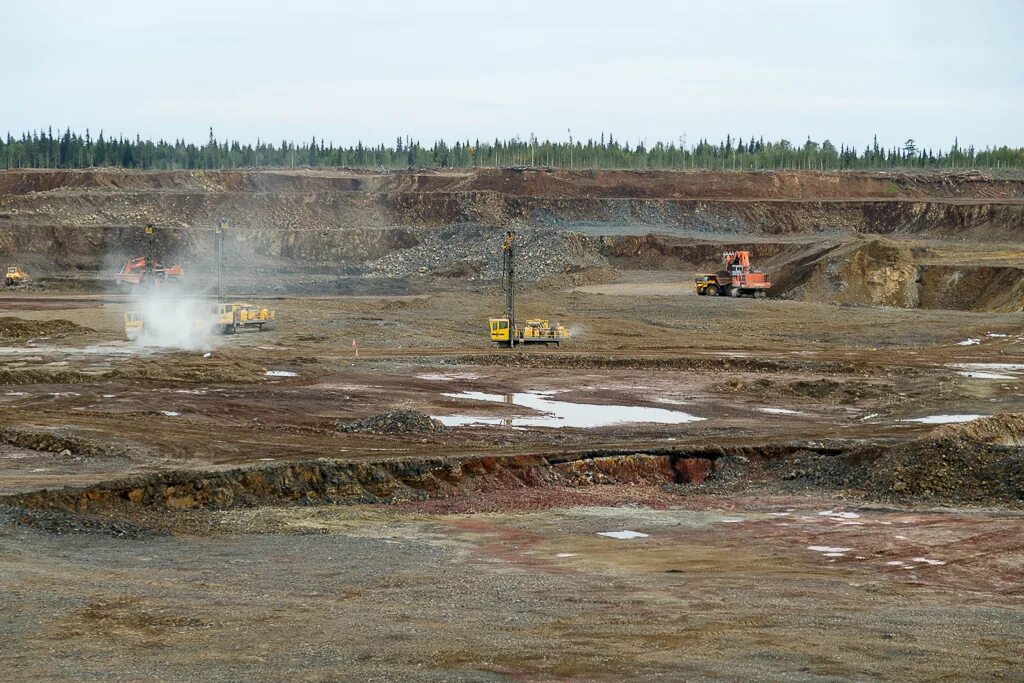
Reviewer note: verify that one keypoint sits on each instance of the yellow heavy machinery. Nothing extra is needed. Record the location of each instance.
(226, 318)
(15, 276)
(505, 331)
(133, 325)
(231, 317)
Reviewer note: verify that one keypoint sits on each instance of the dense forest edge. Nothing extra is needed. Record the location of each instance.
(70, 150)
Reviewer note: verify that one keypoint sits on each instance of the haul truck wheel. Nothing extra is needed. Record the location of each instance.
(711, 290)
(734, 292)
(9, 282)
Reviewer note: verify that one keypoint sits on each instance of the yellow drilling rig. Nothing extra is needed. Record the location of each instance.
(504, 331)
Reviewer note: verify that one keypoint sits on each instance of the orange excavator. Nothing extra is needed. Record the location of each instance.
(738, 278)
(145, 270)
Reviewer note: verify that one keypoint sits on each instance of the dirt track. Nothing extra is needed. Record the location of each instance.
(218, 514)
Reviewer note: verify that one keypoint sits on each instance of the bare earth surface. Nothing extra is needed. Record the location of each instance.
(825, 485)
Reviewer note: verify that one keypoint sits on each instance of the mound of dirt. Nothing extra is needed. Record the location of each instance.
(1006, 429)
(19, 329)
(979, 462)
(189, 367)
(393, 422)
(30, 375)
(56, 443)
(820, 389)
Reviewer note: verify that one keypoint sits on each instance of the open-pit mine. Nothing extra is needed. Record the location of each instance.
(824, 484)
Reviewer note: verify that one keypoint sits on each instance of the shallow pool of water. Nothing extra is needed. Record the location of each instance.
(554, 413)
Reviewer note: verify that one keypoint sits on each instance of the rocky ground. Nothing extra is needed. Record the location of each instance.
(824, 485)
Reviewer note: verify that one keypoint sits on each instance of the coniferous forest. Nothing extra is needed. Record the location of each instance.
(46, 149)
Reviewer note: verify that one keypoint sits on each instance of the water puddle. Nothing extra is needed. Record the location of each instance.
(988, 370)
(780, 411)
(561, 413)
(944, 419)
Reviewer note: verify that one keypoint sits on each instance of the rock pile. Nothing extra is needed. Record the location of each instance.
(393, 422)
(475, 253)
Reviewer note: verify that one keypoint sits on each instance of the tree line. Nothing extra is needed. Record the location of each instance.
(43, 149)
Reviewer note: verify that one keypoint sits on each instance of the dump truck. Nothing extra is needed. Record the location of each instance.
(505, 331)
(15, 276)
(737, 279)
(231, 317)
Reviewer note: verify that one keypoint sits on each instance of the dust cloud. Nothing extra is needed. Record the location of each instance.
(173, 319)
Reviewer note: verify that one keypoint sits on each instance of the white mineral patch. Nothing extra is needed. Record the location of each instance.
(839, 514)
(625, 534)
(281, 373)
(828, 549)
(944, 419)
(983, 374)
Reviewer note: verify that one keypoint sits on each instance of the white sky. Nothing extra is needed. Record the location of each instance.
(374, 69)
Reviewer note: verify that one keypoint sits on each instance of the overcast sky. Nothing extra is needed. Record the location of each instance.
(375, 69)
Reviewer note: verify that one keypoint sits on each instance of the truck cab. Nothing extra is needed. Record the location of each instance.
(500, 330)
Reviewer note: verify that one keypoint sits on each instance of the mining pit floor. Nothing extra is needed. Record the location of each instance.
(826, 485)
(489, 577)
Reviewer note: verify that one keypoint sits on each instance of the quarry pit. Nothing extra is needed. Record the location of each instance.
(825, 484)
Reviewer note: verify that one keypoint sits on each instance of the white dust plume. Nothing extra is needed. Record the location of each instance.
(173, 320)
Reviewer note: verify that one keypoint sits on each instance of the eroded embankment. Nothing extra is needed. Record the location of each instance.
(385, 481)
(303, 219)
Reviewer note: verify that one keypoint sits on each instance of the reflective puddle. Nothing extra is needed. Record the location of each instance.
(988, 370)
(554, 413)
(944, 419)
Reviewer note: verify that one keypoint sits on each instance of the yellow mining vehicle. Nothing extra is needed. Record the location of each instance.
(505, 331)
(231, 317)
(132, 325)
(15, 276)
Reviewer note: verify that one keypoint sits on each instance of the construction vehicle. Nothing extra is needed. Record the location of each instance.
(737, 279)
(15, 276)
(225, 318)
(146, 270)
(505, 331)
(133, 325)
(231, 317)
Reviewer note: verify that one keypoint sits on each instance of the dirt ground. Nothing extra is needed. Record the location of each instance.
(829, 482)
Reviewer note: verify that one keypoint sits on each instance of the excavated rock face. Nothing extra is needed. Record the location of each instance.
(882, 273)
